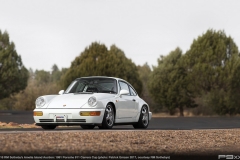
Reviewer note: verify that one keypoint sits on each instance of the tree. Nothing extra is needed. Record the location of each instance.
(97, 60)
(213, 65)
(168, 84)
(25, 100)
(39, 84)
(144, 72)
(55, 68)
(13, 74)
(42, 77)
(56, 74)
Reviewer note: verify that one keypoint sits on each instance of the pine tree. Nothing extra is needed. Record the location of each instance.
(144, 72)
(13, 74)
(168, 84)
(213, 69)
(97, 60)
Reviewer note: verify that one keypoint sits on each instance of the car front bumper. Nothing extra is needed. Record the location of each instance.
(150, 115)
(67, 117)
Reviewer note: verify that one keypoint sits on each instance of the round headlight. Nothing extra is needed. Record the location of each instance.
(40, 102)
(92, 101)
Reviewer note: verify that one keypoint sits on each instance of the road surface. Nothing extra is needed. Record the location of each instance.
(161, 123)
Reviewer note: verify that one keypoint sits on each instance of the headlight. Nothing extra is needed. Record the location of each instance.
(40, 102)
(92, 101)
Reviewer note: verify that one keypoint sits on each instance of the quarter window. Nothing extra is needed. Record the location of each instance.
(124, 85)
(133, 93)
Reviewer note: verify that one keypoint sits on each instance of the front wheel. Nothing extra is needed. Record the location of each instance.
(87, 127)
(108, 119)
(143, 119)
(49, 127)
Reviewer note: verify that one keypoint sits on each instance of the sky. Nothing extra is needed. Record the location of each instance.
(47, 32)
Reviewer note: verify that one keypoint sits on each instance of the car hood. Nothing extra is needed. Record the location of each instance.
(74, 100)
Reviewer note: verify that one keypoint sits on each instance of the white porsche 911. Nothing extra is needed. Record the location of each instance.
(93, 101)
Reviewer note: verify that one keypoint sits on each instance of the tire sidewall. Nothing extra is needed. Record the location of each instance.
(141, 125)
(104, 123)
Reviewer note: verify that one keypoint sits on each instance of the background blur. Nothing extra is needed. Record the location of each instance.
(181, 56)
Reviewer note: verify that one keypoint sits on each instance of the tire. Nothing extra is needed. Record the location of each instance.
(87, 126)
(143, 119)
(49, 127)
(108, 118)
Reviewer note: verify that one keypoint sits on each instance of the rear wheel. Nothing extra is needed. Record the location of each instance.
(49, 127)
(87, 126)
(143, 119)
(108, 119)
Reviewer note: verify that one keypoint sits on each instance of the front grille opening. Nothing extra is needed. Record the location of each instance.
(62, 120)
(76, 120)
(46, 120)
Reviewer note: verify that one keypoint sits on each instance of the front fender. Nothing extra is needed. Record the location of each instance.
(141, 104)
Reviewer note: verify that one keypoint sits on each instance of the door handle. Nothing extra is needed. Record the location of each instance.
(134, 100)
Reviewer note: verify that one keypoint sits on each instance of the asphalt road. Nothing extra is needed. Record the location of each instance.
(167, 123)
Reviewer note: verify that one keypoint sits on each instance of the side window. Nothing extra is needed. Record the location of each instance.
(124, 86)
(132, 91)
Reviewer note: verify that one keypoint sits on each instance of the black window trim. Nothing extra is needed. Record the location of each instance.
(115, 81)
(129, 85)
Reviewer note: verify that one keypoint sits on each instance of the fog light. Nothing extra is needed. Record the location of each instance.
(90, 113)
(37, 113)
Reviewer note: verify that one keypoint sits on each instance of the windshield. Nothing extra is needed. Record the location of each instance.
(93, 85)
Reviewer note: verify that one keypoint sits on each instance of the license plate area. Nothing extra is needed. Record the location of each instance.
(60, 118)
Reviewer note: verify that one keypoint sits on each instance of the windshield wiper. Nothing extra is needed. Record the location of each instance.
(113, 92)
(108, 92)
(83, 93)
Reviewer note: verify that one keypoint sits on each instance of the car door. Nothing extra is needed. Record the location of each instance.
(135, 99)
(126, 104)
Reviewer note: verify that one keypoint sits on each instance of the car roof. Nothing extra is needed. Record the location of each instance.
(103, 77)
(108, 77)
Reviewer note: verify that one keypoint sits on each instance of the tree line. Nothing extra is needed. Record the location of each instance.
(205, 79)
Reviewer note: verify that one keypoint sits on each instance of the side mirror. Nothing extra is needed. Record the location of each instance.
(61, 92)
(124, 92)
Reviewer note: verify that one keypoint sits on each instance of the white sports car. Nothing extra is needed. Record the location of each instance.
(93, 101)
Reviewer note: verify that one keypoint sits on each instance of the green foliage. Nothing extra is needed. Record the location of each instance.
(213, 65)
(7, 103)
(26, 100)
(144, 72)
(56, 74)
(168, 84)
(97, 60)
(42, 77)
(13, 74)
(207, 75)
(39, 83)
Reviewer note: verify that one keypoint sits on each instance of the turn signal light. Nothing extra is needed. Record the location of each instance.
(97, 113)
(90, 113)
(37, 113)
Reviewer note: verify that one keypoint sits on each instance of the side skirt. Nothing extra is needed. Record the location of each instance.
(127, 123)
(66, 124)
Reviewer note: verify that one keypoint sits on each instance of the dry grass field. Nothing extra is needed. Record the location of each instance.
(158, 142)
(107, 142)
(16, 125)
